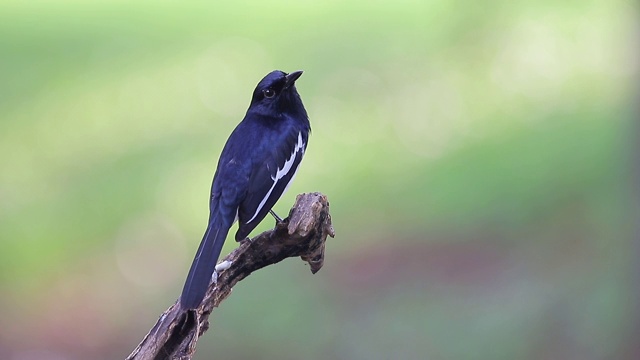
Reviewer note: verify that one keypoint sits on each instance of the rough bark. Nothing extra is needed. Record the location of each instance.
(302, 234)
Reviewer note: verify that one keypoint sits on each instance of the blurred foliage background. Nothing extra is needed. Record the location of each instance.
(476, 155)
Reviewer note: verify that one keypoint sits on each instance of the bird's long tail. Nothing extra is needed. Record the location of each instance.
(204, 262)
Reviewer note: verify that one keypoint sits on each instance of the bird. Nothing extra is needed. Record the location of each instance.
(258, 163)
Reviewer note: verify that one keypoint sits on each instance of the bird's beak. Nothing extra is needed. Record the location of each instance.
(291, 78)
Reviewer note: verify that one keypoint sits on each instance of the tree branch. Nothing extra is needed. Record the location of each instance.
(302, 234)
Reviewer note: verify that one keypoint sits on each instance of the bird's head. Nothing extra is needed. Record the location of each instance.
(276, 94)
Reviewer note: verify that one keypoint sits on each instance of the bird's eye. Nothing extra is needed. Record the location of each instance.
(269, 93)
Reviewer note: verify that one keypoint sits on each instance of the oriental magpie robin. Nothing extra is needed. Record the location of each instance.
(257, 165)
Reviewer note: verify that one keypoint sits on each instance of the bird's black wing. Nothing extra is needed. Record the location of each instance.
(269, 181)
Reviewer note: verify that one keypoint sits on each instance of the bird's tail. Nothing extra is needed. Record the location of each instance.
(204, 263)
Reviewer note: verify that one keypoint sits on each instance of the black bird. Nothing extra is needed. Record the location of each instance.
(257, 165)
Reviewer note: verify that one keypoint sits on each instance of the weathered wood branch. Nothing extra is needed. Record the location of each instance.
(302, 234)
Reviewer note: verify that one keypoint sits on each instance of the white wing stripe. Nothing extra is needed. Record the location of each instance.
(280, 173)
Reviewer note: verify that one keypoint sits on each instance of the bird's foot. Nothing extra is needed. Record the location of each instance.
(275, 216)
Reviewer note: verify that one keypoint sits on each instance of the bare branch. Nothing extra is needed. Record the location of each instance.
(302, 234)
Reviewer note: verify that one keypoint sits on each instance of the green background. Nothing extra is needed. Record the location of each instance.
(477, 157)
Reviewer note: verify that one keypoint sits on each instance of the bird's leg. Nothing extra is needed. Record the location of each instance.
(275, 216)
